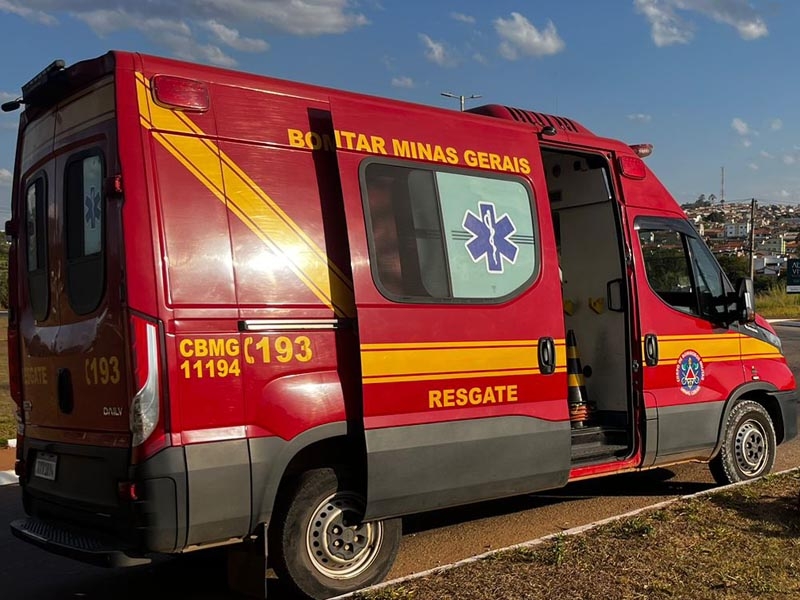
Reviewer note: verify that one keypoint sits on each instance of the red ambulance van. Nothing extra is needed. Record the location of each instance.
(257, 312)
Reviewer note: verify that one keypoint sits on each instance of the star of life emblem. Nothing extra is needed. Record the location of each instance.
(93, 211)
(490, 237)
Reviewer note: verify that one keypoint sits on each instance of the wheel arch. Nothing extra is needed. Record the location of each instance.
(276, 462)
(761, 393)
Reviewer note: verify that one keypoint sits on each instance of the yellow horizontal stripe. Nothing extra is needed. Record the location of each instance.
(449, 344)
(700, 337)
(455, 360)
(754, 346)
(217, 171)
(754, 356)
(707, 348)
(441, 376)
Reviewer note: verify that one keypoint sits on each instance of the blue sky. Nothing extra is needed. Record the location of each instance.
(710, 83)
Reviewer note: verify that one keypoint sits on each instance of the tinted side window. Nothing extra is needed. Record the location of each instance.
(36, 247)
(446, 236)
(666, 262)
(85, 231)
(684, 273)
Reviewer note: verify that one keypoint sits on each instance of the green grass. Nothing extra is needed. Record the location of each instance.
(776, 303)
(738, 544)
(8, 420)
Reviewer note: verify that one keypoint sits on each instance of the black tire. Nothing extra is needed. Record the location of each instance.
(748, 445)
(319, 546)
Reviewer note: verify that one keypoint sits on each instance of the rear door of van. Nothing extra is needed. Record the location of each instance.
(69, 311)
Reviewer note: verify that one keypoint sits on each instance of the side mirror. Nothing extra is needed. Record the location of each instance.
(11, 229)
(745, 301)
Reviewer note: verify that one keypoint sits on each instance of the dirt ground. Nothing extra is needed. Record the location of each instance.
(7, 458)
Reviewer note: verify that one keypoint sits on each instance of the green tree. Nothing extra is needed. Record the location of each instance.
(735, 267)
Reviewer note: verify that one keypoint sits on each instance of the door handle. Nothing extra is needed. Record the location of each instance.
(650, 350)
(66, 400)
(547, 355)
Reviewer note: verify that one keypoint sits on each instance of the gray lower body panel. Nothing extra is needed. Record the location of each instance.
(688, 431)
(425, 467)
(219, 491)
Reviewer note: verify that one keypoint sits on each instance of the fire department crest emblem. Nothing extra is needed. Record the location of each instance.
(690, 372)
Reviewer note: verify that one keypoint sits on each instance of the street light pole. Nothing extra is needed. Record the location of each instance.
(461, 97)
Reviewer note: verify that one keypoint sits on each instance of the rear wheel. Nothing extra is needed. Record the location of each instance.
(748, 445)
(321, 547)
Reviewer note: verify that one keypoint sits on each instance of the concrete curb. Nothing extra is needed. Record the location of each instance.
(541, 540)
(8, 478)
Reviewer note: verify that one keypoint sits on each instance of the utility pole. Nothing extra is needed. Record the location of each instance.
(461, 97)
(752, 235)
(722, 187)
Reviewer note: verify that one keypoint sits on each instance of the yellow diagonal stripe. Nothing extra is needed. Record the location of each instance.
(220, 174)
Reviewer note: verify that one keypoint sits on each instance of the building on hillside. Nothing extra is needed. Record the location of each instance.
(737, 230)
(775, 244)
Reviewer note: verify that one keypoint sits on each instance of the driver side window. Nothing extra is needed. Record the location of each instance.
(683, 272)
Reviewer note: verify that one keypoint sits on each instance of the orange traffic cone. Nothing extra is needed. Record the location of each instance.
(576, 395)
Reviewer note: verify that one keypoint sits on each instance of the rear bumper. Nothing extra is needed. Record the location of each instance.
(787, 401)
(88, 548)
(80, 513)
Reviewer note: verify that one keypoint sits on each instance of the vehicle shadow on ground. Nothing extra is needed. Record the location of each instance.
(200, 576)
(656, 482)
(765, 516)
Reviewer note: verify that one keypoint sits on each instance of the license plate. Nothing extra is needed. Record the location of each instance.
(45, 466)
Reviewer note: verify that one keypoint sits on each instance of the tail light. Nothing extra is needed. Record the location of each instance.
(145, 413)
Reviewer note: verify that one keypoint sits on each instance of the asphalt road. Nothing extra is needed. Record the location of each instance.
(429, 540)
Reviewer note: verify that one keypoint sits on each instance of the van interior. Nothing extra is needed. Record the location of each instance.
(589, 239)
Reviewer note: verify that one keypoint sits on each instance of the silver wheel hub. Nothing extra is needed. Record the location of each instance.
(750, 448)
(339, 545)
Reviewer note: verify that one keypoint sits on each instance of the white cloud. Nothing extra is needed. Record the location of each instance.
(6, 177)
(177, 35)
(740, 127)
(785, 194)
(746, 142)
(776, 125)
(788, 159)
(520, 38)
(437, 52)
(462, 17)
(298, 17)
(402, 82)
(668, 27)
(24, 10)
(194, 29)
(753, 166)
(480, 58)
(231, 37)
(765, 154)
(640, 117)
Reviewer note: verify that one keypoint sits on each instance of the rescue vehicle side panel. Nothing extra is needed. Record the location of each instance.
(255, 312)
(456, 408)
(697, 358)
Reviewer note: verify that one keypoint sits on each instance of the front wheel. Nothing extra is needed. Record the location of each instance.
(320, 545)
(748, 445)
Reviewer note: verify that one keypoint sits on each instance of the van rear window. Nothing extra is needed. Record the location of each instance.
(36, 246)
(85, 227)
(446, 236)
